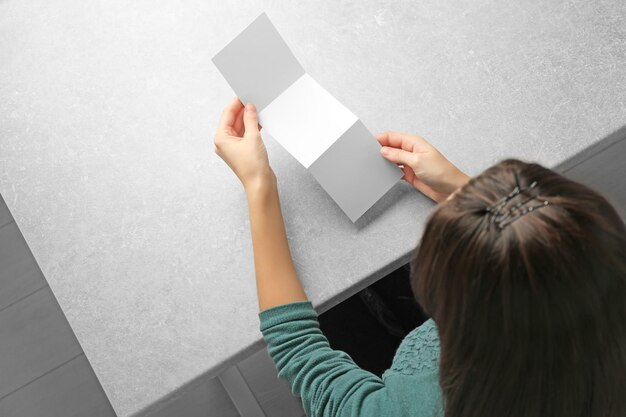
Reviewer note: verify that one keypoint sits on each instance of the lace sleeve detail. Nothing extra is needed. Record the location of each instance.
(418, 352)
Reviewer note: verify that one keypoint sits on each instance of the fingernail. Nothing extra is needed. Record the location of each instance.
(250, 107)
(384, 150)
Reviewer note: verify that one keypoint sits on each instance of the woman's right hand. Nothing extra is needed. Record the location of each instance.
(424, 166)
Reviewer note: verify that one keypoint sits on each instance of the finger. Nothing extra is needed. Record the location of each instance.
(402, 141)
(238, 125)
(400, 156)
(409, 174)
(250, 120)
(229, 114)
(393, 139)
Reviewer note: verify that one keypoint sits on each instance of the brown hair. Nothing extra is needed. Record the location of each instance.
(531, 316)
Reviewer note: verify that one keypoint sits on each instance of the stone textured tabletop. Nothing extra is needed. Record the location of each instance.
(107, 111)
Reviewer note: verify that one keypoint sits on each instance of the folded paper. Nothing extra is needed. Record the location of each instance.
(306, 119)
(312, 125)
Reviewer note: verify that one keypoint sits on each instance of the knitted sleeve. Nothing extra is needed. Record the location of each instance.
(327, 380)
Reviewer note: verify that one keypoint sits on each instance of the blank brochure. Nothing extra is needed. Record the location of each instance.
(315, 128)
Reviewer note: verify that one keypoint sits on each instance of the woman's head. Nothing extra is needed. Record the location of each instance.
(530, 305)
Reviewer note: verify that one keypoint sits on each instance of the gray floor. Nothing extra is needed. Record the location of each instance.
(248, 389)
(603, 167)
(44, 372)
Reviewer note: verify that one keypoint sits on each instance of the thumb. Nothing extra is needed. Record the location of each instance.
(250, 120)
(399, 156)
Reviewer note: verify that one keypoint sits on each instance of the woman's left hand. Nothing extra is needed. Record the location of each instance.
(238, 142)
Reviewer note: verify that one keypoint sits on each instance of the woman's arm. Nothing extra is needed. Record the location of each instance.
(276, 279)
(328, 381)
(325, 378)
(238, 142)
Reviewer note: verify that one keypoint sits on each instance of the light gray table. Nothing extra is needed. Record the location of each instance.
(107, 111)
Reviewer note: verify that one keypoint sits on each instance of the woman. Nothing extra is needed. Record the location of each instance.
(522, 271)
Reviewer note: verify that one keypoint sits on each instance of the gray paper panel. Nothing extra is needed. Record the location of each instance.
(275, 66)
(354, 172)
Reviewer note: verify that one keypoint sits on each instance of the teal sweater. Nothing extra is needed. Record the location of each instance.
(331, 384)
